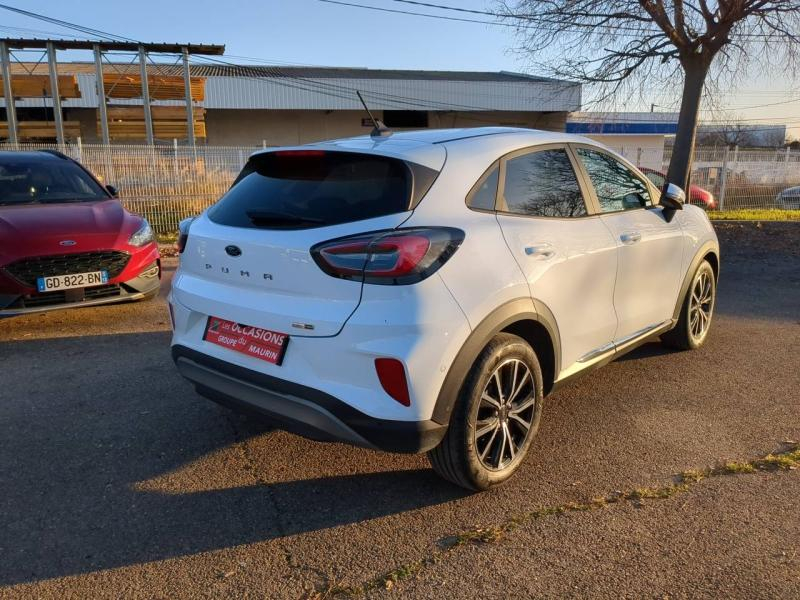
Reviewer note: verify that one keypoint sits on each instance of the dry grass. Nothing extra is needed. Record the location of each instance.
(755, 214)
(787, 459)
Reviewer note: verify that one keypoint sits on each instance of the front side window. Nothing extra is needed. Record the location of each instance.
(617, 187)
(656, 178)
(543, 184)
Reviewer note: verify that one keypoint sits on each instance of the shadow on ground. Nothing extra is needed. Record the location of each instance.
(72, 456)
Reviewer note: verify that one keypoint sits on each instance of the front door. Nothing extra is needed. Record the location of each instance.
(650, 246)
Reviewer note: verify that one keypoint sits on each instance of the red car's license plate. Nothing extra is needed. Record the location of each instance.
(252, 341)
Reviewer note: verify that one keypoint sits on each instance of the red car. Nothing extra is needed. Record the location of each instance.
(65, 241)
(697, 195)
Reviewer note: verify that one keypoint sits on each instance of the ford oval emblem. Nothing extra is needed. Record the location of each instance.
(67, 243)
(233, 250)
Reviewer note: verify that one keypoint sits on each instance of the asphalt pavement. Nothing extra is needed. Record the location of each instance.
(117, 480)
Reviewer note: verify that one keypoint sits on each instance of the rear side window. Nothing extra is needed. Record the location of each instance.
(484, 194)
(300, 189)
(543, 184)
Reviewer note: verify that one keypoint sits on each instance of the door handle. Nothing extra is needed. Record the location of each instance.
(541, 251)
(630, 237)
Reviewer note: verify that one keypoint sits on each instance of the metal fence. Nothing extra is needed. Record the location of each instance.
(163, 183)
(739, 178)
(167, 183)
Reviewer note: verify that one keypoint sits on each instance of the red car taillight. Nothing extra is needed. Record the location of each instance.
(391, 257)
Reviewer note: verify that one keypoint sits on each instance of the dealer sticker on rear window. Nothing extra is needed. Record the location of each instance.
(263, 344)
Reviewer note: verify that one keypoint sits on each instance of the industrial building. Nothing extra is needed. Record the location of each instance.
(254, 105)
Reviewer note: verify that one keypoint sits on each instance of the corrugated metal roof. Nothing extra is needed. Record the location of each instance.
(229, 70)
(333, 88)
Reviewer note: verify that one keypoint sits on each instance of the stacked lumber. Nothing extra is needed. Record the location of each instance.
(165, 130)
(159, 113)
(162, 87)
(36, 86)
(169, 122)
(41, 129)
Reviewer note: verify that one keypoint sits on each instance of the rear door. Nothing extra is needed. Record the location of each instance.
(650, 246)
(247, 259)
(567, 255)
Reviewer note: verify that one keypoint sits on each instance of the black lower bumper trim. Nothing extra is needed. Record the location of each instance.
(300, 409)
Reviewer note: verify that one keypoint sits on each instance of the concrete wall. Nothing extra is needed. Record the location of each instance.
(88, 121)
(248, 127)
(641, 150)
(287, 127)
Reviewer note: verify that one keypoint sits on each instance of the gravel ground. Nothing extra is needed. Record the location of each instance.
(119, 481)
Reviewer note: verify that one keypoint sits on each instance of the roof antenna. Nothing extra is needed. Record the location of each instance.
(379, 129)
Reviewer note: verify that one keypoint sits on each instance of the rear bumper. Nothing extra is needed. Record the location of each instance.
(300, 409)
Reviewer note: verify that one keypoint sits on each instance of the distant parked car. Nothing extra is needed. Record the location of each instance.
(697, 195)
(424, 291)
(66, 241)
(789, 199)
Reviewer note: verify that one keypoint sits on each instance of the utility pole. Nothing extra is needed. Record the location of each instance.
(187, 83)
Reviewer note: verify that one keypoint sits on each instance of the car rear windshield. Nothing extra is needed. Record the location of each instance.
(48, 180)
(301, 189)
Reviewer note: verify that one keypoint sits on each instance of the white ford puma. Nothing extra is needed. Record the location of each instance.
(423, 292)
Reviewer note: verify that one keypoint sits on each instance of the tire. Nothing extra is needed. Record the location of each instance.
(474, 462)
(687, 334)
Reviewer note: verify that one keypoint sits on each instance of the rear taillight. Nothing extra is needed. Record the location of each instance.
(391, 257)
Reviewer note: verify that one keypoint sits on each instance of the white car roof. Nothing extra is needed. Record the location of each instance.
(428, 147)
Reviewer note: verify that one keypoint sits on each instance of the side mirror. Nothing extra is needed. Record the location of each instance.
(673, 197)
(113, 191)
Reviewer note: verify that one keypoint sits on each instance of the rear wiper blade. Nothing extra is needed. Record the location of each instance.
(264, 217)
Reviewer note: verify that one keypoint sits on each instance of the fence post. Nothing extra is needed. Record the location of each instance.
(786, 165)
(175, 156)
(241, 159)
(264, 144)
(80, 149)
(724, 182)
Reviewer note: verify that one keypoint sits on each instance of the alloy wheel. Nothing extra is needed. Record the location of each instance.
(701, 305)
(505, 414)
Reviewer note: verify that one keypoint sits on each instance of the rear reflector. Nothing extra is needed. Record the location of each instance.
(392, 376)
(390, 257)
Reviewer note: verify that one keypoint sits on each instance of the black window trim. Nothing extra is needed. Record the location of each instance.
(655, 195)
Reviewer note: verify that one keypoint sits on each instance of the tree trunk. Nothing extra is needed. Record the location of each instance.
(680, 165)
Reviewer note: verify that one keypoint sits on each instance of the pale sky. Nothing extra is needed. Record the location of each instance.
(315, 33)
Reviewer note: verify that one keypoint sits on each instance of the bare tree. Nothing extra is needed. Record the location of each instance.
(726, 134)
(616, 43)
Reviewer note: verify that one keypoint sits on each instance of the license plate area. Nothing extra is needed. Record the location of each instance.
(266, 345)
(56, 283)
